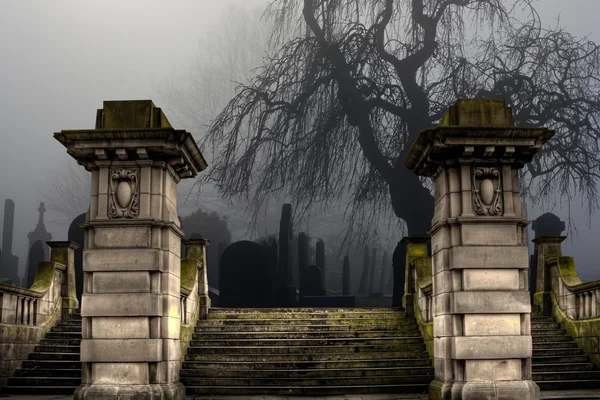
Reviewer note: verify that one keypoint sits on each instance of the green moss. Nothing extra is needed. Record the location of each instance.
(43, 277)
(189, 274)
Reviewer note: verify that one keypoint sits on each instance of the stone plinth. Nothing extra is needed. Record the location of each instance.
(196, 249)
(481, 306)
(545, 247)
(64, 252)
(415, 247)
(131, 259)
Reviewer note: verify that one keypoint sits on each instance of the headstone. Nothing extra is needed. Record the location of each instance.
(313, 284)
(346, 276)
(285, 285)
(9, 263)
(364, 278)
(547, 224)
(245, 277)
(302, 260)
(372, 270)
(35, 257)
(384, 269)
(320, 259)
(76, 234)
(43, 236)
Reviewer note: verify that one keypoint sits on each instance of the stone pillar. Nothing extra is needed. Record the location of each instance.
(481, 306)
(416, 247)
(195, 249)
(131, 261)
(64, 252)
(545, 247)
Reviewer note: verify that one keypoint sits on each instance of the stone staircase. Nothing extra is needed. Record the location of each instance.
(54, 366)
(306, 351)
(558, 363)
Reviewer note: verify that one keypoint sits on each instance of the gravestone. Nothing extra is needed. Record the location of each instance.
(35, 257)
(286, 290)
(77, 235)
(547, 224)
(302, 260)
(313, 285)
(364, 277)
(245, 277)
(43, 236)
(346, 276)
(9, 263)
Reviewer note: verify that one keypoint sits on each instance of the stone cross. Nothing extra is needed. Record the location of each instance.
(130, 305)
(481, 306)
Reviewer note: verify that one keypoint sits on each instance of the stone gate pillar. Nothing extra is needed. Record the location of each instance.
(481, 306)
(131, 260)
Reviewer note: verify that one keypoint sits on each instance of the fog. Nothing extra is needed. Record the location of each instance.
(61, 59)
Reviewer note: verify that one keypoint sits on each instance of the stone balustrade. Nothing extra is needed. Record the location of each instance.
(26, 314)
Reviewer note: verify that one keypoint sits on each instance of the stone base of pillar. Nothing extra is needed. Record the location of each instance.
(205, 304)
(166, 391)
(484, 390)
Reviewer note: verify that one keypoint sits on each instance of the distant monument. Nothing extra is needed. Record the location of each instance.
(43, 236)
(34, 258)
(9, 263)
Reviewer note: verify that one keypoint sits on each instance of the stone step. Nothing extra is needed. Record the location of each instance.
(553, 331)
(551, 338)
(60, 342)
(585, 366)
(329, 314)
(555, 359)
(63, 335)
(315, 357)
(569, 384)
(556, 352)
(542, 318)
(544, 325)
(549, 345)
(566, 375)
(298, 328)
(277, 342)
(227, 310)
(51, 364)
(306, 321)
(304, 365)
(310, 349)
(305, 373)
(306, 335)
(317, 381)
(56, 349)
(67, 328)
(305, 390)
(70, 321)
(68, 372)
(44, 381)
(39, 390)
(54, 356)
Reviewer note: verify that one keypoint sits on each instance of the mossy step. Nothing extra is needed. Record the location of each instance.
(63, 335)
(288, 364)
(44, 381)
(548, 345)
(554, 359)
(60, 342)
(542, 318)
(305, 321)
(226, 342)
(39, 390)
(303, 309)
(565, 375)
(315, 357)
(69, 321)
(588, 366)
(56, 349)
(553, 331)
(54, 356)
(66, 328)
(320, 381)
(51, 364)
(569, 384)
(305, 373)
(556, 352)
(307, 315)
(304, 349)
(307, 335)
(298, 328)
(68, 372)
(551, 338)
(544, 325)
(305, 390)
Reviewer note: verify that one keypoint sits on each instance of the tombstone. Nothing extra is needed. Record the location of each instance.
(320, 259)
(302, 260)
(245, 277)
(35, 257)
(547, 224)
(77, 235)
(313, 285)
(286, 290)
(384, 268)
(372, 270)
(364, 277)
(270, 247)
(40, 233)
(346, 276)
(9, 263)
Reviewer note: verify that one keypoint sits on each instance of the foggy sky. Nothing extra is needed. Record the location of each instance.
(60, 59)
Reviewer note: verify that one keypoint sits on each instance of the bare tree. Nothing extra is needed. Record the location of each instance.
(335, 108)
(68, 194)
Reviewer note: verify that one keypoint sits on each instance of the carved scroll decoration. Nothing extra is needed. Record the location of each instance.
(487, 199)
(124, 193)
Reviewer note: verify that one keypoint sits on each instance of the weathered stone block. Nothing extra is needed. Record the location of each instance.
(121, 282)
(120, 327)
(491, 302)
(489, 234)
(491, 279)
(121, 350)
(121, 260)
(120, 374)
(122, 236)
(491, 347)
(465, 257)
(492, 324)
(121, 305)
(493, 370)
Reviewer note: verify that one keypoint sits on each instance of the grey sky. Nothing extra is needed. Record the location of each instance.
(60, 59)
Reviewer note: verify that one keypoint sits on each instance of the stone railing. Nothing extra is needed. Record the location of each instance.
(560, 292)
(417, 299)
(195, 302)
(27, 314)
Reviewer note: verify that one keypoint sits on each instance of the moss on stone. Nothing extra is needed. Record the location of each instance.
(43, 277)
(189, 274)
